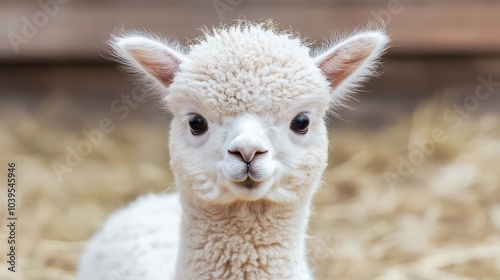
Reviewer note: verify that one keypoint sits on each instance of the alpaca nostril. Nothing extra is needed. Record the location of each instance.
(238, 154)
(247, 156)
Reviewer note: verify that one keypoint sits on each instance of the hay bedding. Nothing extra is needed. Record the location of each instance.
(442, 221)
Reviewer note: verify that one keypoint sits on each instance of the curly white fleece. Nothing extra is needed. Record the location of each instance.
(243, 74)
(137, 242)
(250, 70)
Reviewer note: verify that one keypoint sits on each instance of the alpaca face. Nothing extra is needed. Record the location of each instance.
(250, 156)
(248, 108)
(252, 105)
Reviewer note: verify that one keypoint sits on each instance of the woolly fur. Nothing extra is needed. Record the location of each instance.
(248, 82)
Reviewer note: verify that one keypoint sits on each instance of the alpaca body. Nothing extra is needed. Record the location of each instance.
(250, 241)
(248, 147)
(139, 241)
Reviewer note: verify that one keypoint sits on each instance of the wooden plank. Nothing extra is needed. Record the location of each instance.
(78, 31)
(399, 77)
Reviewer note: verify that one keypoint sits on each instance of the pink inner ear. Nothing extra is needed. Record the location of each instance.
(342, 63)
(162, 68)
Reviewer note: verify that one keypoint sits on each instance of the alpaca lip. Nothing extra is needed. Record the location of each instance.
(246, 175)
(249, 183)
(250, 190)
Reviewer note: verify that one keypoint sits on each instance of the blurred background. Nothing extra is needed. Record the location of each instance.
(413, 185)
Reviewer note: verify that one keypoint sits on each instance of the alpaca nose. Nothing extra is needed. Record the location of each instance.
(247, 154)
(248, 140)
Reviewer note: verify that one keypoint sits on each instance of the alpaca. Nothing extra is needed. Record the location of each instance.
(248, 146)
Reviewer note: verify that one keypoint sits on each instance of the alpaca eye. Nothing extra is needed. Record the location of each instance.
(198, 125)
(300, 124)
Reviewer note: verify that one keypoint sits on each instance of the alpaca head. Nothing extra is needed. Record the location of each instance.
(248, 106)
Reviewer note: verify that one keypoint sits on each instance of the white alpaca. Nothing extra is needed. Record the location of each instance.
(248, 147)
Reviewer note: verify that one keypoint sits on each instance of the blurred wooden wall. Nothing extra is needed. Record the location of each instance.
(437, 44)
(77, 30)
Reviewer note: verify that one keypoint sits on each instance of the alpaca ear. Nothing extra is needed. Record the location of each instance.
(148, 56)
(349, 62)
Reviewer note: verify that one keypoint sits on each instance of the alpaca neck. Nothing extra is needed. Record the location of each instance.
(253, 240)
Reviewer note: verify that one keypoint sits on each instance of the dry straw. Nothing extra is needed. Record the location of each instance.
(440, 222)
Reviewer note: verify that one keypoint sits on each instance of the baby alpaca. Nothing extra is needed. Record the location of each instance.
(248, 146)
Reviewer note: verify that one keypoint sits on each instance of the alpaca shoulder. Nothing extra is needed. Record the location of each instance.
(138, 241)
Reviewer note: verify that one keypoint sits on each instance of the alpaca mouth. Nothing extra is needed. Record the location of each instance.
(249, 178)
(250, 190)
(249, 183)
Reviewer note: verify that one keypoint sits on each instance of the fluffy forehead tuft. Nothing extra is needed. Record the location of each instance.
(249, 68)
